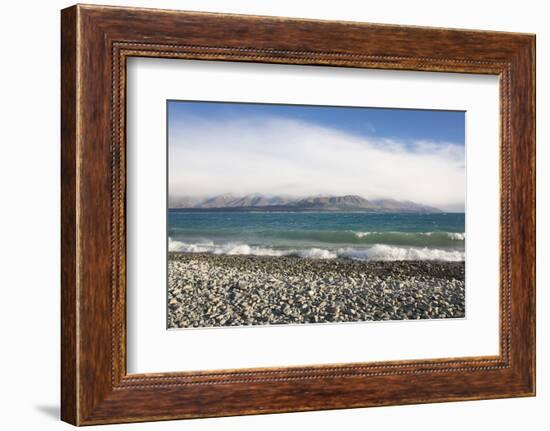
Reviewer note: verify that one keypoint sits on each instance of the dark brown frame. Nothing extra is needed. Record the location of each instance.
(96, 41)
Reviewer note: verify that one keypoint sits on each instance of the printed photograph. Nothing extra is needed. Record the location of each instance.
(297, 214)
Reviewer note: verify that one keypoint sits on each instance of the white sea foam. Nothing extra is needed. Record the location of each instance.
(230, 248)
(189, 248)
(363, 234)
(386, 252)
(317, 253)
(374, 252)
(245, 249)
(457, 236)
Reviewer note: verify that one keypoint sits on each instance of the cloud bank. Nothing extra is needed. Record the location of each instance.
(280, 156)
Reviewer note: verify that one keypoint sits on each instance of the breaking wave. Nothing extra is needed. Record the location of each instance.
(388, 252)
(374, 252)
(411, 236)
(230, 249)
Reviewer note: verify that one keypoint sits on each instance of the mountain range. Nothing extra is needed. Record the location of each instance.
(259, 202)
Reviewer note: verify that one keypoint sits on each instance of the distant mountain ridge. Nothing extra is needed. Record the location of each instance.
(259, 202)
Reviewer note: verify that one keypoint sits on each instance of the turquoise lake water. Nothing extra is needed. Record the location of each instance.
(323, 235)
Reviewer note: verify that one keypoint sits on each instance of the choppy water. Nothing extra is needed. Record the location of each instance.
(365, 236)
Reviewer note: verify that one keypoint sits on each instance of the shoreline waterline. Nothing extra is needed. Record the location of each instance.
(373, 252)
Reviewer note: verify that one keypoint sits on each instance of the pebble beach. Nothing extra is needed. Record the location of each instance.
(211, 290)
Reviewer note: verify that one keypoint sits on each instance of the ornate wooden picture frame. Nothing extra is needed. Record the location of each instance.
(96, 41)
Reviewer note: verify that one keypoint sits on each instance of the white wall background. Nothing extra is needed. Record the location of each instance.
(29, 225)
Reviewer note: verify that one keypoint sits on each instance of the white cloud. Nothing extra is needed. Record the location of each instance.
(282, 156)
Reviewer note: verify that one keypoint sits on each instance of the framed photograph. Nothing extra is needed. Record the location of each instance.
(300, 243)
(263, 214)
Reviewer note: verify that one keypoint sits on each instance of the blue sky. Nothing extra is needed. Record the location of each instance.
(400, 124)
(217, 148)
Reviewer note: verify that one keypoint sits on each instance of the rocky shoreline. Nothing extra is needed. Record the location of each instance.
(207, 290)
